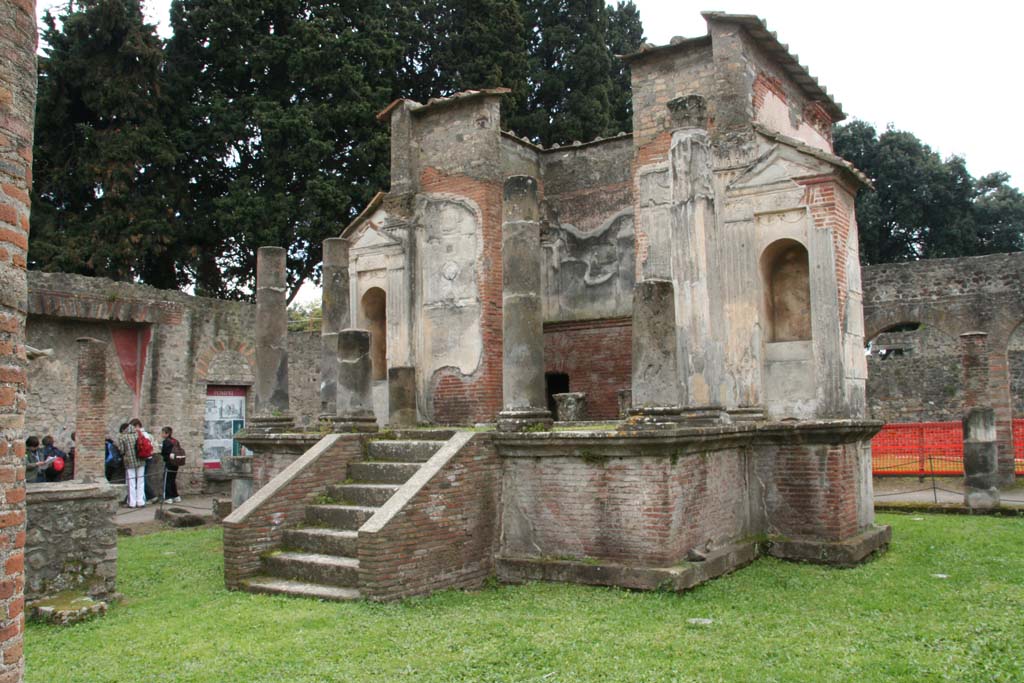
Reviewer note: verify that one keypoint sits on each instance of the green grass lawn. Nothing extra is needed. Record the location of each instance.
(888, 620)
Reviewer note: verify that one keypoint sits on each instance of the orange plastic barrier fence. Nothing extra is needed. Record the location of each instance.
(925, 448)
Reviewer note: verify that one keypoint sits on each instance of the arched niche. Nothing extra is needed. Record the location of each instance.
(374, 309)
(786, 272)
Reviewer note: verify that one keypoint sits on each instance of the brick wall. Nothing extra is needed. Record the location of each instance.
(195, 343)
(444, 536)
(257, 526)
(812, 491)
(455, 398)
(17, 108)
(956, 296)
(641, 509)
(597, 356)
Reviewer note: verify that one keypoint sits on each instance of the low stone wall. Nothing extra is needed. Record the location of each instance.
(439, 531)
(71, 540)
(257, 526)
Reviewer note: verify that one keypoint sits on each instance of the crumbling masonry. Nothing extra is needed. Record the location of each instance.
(707, 263)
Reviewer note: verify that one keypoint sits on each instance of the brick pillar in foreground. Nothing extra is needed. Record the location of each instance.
(91, 409)
(17, 109)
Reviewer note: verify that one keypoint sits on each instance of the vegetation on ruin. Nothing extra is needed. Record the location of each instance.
(923, 206)
(943, 604)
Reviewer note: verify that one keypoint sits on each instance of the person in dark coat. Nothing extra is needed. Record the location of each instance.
(170, 469)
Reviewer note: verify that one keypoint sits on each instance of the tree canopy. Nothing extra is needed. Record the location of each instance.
(171, 163)
(923, 206)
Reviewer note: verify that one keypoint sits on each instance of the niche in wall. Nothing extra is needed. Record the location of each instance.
(784, 265)
(374, 304)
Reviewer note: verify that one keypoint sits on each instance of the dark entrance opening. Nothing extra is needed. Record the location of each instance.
(555, 383)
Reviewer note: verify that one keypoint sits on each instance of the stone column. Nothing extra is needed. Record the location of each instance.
(17, 109)
(656, 386)
(335, 310)
(272, 410)
(981, 454)
(355, 383)
(91, 410)
(328, 376)
(402, 397)
(522, 321)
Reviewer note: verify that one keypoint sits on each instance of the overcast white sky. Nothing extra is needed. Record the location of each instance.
(947, 72)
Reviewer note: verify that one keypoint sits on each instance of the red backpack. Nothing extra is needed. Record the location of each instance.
(144, 447)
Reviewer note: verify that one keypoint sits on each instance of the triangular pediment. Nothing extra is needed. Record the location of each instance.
(780, 164)
(372, 238)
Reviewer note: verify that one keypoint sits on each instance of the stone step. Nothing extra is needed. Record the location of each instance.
(339, 517)
(274, 586)
(403, 451)
(325, 541)
(382, 472)
(362, 494)
(313, 568)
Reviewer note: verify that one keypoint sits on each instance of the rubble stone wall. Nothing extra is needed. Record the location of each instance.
(71, 540)
(193, 343)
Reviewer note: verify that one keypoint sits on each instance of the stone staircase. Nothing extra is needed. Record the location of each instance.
(320, 558)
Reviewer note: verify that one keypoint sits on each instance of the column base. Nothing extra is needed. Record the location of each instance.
(981, 499)
(270, 424)
(525, 420)
(357, 422)
(676, 417)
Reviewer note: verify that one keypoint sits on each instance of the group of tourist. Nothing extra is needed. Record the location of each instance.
(131, 452)
(135, 449)
(45, 462)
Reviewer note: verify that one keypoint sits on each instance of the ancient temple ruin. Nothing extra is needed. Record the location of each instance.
(701, 271)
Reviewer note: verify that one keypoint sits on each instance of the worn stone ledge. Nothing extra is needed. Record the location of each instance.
(845, 553)
(314, 449)
(69, 490)
(676, 578)
(287, 442)
(672, 442)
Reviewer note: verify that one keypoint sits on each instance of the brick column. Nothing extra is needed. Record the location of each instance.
(1002, 406)
(974, 370)
(17, 109)
(91, 409)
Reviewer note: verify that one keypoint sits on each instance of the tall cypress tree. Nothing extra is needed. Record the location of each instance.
(101, 147)
(281, 147)
(578, 89)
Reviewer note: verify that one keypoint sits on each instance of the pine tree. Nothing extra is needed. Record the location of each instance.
(98, 205)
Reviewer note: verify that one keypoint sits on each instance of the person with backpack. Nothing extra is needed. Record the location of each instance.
(112, 462)
(36, 464)
(134, 467)
(174, 457)
(144, 451)
(52, 454)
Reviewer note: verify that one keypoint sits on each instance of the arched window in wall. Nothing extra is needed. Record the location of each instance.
(784, 265)
(374, 304)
